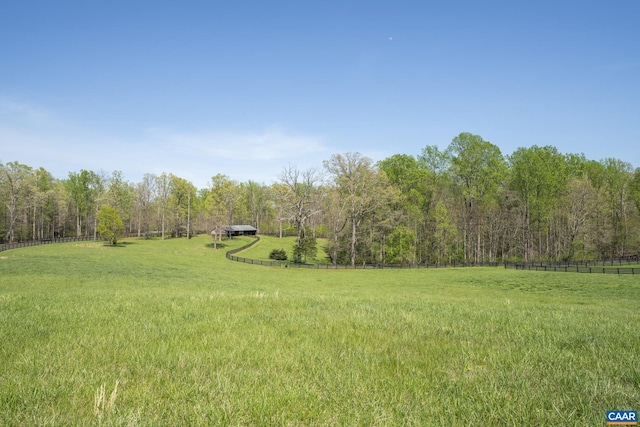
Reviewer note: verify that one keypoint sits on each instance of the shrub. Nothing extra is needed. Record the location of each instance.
(278, 255)
(109, 224)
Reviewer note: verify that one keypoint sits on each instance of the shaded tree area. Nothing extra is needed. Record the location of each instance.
(366, 195)
(465, 203)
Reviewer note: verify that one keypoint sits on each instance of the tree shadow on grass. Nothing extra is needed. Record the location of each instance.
(220, 245)
(119, 244)
(123, 244)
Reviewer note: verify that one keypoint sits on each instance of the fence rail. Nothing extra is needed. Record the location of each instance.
(603, 267)
(577, 268)
(8, 246)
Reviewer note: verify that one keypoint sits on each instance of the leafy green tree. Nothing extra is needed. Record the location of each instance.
(415, 186)
(634, 189)
(440, 184)
(109, 224)
(443, 233)
(163, 192)
(580, 203)
(435, 161)
(595, 173)
(58, 202)
(363, 188)
(305, 248)
(220, 202)
(254, 202)
(84, 188)
(42, 207)
(539, 177)
(181, 204)
(577, 165)
(459, 204)
(618, 177)
(119, 194)
(478, 170)
(401, 245)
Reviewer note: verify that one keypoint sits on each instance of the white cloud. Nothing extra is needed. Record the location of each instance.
(22, 112)
(268, 145)
(242, 155)
(37, 137)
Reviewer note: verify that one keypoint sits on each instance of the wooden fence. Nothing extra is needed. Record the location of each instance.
(606, 267)
(602, 267)
(16, 245)
(618, 266)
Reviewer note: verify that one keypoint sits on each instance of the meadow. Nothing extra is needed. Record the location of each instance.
(170, 332)
(263, 248)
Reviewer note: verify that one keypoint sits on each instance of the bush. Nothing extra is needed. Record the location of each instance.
(278, 255)
(109, 224)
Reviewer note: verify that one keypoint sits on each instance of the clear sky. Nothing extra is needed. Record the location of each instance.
(245, 88)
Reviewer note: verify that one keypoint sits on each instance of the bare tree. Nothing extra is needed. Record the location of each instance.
(18, 185)
(163, 187)
(143, 199)
(301, 189)
(362, 187)
(336, 219)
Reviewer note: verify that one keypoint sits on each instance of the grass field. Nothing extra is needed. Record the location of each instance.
(172, 333)
(263, 248)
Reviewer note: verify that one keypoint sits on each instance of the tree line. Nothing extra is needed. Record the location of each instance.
(467, 203)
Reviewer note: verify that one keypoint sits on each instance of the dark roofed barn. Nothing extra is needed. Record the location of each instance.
(240, 230)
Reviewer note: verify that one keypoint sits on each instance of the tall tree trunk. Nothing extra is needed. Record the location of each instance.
(353, 242)
(526, 235)
(162, 224)
(189, 216)
(78, 223)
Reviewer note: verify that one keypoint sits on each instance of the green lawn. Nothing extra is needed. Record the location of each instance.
(263, 248)
(191, 338)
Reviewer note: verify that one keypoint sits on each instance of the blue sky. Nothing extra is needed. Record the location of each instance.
(246, 88)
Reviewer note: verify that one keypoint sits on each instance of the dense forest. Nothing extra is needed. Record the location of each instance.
(468, 203)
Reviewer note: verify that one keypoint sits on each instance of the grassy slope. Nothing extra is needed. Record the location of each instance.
(263, 248)
(193, 338)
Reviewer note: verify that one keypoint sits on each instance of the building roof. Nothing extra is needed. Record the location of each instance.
(240, 228)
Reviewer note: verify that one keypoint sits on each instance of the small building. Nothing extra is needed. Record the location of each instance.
(240, 230)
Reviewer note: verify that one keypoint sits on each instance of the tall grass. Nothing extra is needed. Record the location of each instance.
(172, 333)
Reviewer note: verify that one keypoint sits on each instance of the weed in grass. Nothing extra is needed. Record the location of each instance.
(101, 405)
